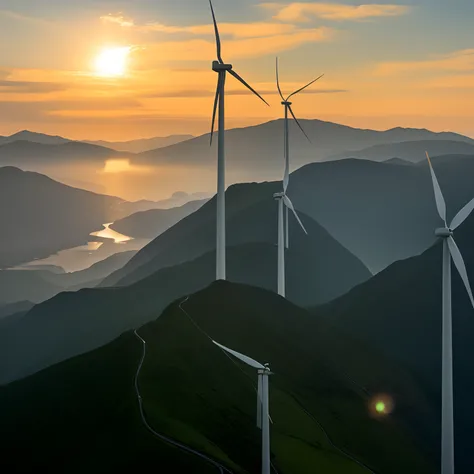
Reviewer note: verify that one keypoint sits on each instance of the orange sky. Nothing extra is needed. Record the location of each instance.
(376, 73)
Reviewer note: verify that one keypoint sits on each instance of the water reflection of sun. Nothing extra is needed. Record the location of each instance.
(117, 166)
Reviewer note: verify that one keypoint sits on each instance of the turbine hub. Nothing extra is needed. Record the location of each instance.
(279, 195)
(218, 67)
(285, 102)
(443, 232)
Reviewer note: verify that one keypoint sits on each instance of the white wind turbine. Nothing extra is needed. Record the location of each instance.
(263, 413)
(450, 250)
(289, 110)
(284, 201)
(222, 69)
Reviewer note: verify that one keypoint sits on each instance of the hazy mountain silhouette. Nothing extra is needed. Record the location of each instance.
(251, 216)
(413, 151)
(26, 135)
(321, 388)
(38, 285)
(381, 212)
(399, 312)
(20, 152)
(141, 145)
(40, 216)
(15, 308)
(150, 224)
(398, 161)
(260, 148)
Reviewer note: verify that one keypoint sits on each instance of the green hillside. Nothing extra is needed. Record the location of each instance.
(82, 415)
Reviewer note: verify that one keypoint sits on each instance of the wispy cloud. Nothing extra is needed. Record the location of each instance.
(30, 87)
(190, 93)
(235, 30)
(118, 19)
(305, 12)
(457, 61)
(204, 50)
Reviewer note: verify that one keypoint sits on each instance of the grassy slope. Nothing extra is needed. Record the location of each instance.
(82, 416)
(85, 407)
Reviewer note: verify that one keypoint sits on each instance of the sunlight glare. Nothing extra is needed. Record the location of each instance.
(112, 62)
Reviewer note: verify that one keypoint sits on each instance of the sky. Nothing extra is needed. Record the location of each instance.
(386, 64)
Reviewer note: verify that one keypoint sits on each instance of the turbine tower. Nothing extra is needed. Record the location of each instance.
(450, 250)
(288, 110)
(263, 413)
(284, 202)
(222, 69)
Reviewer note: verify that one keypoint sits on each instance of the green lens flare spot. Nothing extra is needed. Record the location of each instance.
(380, 407)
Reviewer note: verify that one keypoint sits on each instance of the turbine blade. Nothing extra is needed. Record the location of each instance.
(440, 203)
(216, 30)
(233, 73)
(278, 82)
(460, 265)
(214, 112)
(304, 87)
(243, 358)
(462, 215)
(297, 123)
(290, 206)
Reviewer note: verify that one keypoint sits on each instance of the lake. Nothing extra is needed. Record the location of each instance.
(84, 256)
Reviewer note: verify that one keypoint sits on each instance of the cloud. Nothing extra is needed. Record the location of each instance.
(235, 30)
(204, 50)
(118, 19)
(304, 12)
(29, 87)
(457, 61)
(190, 93)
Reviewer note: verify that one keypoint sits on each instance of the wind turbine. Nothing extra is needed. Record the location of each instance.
(222, 69)
(450, 250)
(288, 110)
(263, 414)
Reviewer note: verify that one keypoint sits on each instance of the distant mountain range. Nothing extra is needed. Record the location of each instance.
(23, 152)
(141, 145)
(412, 151)
(26, 135)
(260, 148)
(322, 390)
(329, 141)
(132, 146)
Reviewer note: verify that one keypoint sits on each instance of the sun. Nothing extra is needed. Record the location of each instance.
(112, 62)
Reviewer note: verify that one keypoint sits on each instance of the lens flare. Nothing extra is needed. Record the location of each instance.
(381, 405)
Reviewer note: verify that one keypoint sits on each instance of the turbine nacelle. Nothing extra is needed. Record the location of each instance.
(278, 195)
(219, 67)
(286, 103)
(443, 232)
